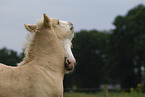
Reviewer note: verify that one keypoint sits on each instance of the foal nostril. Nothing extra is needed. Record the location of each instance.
(68, 62)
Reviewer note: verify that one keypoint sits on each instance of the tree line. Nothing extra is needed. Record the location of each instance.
(109, 57)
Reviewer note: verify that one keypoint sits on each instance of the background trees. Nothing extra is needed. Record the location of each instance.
(10, 57)
(127, 47)
(114, 56)
(90, 52)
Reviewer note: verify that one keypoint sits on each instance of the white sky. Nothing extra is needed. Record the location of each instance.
(84, 14)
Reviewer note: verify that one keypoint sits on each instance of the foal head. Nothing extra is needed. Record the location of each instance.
(65, 32)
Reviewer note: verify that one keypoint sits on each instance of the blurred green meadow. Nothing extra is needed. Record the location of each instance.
(101, 94)
(138, 92)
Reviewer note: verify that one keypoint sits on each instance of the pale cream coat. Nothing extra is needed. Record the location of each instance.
(42, 70)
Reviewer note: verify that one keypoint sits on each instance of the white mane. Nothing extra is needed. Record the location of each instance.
(29, 41)
(30, 36)
(39, 22)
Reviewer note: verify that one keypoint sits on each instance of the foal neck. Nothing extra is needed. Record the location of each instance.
(46, 50)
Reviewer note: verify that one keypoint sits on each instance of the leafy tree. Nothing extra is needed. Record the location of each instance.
(9, 57)
(127, 49)
(89, 50)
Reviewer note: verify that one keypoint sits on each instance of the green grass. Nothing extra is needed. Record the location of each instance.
(138, 92)
(101, 94)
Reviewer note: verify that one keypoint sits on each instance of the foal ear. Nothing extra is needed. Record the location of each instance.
(30, 28)
(47, 21)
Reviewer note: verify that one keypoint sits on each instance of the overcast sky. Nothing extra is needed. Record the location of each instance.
(84, 14)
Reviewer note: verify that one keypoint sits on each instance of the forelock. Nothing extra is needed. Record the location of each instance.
(39, 22)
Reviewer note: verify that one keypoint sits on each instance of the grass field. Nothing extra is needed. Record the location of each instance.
(101, 94)
(138, 92)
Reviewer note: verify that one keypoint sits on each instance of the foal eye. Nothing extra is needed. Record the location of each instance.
(58, 23)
